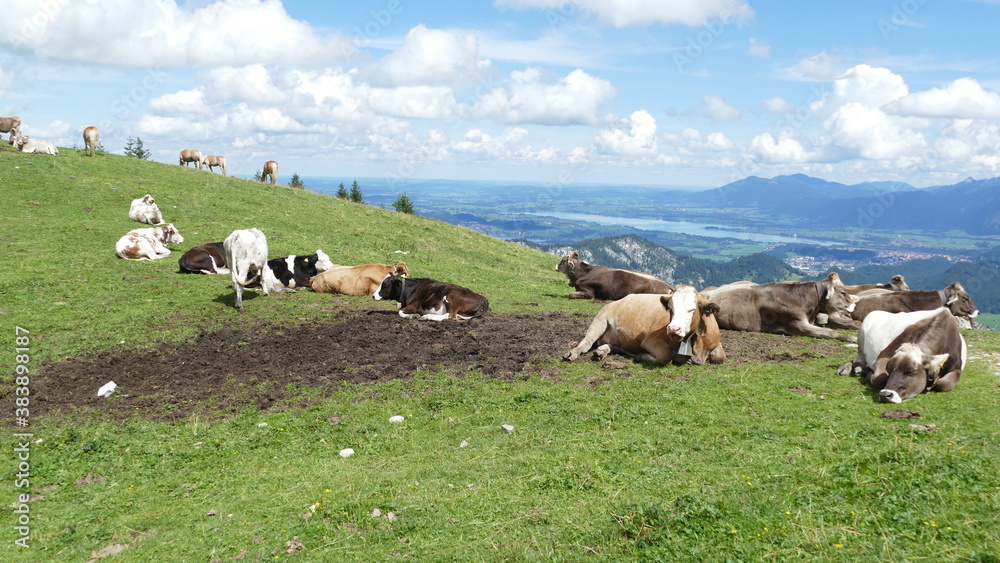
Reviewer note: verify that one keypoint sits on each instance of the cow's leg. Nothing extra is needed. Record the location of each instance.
(805, 328)
(238, 299)
(581, 295)
(596, 330)
(879, 376)
(854, 367)
(947, 382)
(657, 350)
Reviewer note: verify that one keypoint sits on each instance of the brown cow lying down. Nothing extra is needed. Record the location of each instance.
(356, 280)
(604, 283)
(657, 329)
(431, 300)
(954, 297)
(783, 307)
(906, 354)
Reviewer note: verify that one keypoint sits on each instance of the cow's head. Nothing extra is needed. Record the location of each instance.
(687, 307)
(898, 283)
(148, 199)
(959, 302)
(838, 300)
(171, 235)
(568, 263)
(391, 288)
(400, 269)
(910, 372)
(323, 262)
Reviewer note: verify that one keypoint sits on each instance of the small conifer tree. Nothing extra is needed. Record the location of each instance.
(296, 182)
(342, 192)
(355, 195)
(403, 204)
(135, 149)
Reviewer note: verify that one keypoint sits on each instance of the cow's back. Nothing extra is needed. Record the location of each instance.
(351, 280)
(896, 302)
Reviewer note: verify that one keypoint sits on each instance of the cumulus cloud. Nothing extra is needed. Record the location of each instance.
(637, 135)
(870, 133)
(962, 99)
(431, 57)
(183, 102)
(536, 96)
(136, 33)
(625, 13)
(870, 86)
(818, 67)
(690, 140)
(415, 102)
(784, 149)
(717, 109)
(778, 105)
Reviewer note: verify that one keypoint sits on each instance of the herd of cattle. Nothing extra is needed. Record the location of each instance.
(909, 342)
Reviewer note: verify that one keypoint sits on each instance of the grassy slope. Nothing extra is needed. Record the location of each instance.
(734, 462)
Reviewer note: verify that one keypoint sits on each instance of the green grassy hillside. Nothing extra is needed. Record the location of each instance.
(61, 217)
(777, 460)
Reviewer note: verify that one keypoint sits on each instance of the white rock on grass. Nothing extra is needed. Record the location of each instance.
(508, 428)
(346, 452)
(107, 389)
(463, 444)
(376, 513)
(396, 418)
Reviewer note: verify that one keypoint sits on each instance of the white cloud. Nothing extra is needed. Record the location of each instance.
(870, 86)
(690, 141)
(778, 105)
(717, 108)
(870, 133)
(784, 149)
(818, 67)
(625, 13)
(637, 135)
(757, 50)
(251, 83)
(415, 102)
(962, 99)
(431, 57)
(535, 96)
(184, 102)
(137, 33)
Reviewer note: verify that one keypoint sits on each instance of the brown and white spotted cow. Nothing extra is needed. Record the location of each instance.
(604, 283)
(204, 259)
(148, 244)
(431, 300)
(906, 354)
(783, 307)
(145, 210)
(356, 280)
(657, 329)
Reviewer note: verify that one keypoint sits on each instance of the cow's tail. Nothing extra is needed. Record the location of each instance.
(249, 281)
(479, 311)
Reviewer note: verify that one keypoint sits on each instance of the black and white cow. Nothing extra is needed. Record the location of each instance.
(906, 354)
(432, 300)
(204, 259)
(294, 272)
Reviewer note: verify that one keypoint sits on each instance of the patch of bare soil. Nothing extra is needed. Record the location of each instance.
(227, 370)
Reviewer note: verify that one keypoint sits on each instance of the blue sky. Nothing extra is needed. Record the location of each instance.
(672, 92)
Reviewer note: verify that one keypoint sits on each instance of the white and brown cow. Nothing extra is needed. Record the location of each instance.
(91, 137)
(432, 300)
(26, 144)
(270, 169)
(190, 155)
(214, 161)
(148, 244)
(11, 124)
(604, 283)
(906, 354)
(145, 210)
(657, 329)
(356, 280)
(954, 297)
(204, 259)
(897, 283)
(246, 256)
(783, 307)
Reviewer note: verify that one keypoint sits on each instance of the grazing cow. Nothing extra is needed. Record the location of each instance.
(604, 283)
(190, 155)
(783, 307)
(148, 244)
(214, 161)
(432, 300)
(954, 297)
(145, 210)
(29, 145)
(12, 125)
(356, 280)
(90, 138)
(897, 283)
(270, 169)
(204, 259)
(906, 354)
(246, 256)
(294, 272)
(657, 329)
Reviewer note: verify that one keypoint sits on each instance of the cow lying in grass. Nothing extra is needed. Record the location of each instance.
(427, 299)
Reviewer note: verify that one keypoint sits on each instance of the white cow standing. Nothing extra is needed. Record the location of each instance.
(145, 210)
(246, 254)
(148, 244)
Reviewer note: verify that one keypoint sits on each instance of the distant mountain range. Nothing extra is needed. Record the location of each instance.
(970, 205)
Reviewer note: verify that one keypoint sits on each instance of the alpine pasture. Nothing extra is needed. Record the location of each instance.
(777, 460)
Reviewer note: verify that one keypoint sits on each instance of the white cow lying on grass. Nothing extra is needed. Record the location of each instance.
(145, 210)
(148, 244)
(246, 254)
(29, 145)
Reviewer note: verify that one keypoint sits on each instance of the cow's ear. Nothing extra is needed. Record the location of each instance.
(935, 363)
(709, 309)
(665, 299)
